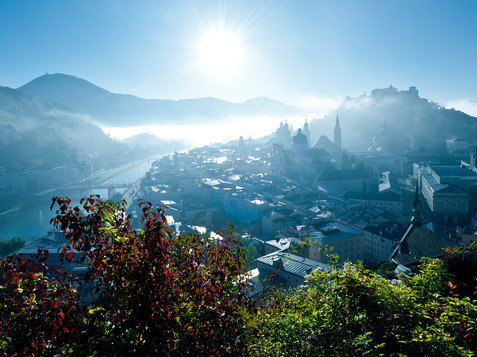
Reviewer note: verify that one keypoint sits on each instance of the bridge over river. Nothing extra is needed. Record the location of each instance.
(28, 216)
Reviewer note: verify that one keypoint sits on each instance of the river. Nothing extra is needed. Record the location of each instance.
(30, 218)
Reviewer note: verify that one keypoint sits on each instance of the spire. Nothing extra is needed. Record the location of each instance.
(306, 131)
(417, 219)
(338, 133)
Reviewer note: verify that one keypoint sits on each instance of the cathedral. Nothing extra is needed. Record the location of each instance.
(292, 155)
(283, 136)
(334, 148)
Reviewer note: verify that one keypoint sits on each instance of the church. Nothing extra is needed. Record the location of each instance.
(293, 156)
(334, 148)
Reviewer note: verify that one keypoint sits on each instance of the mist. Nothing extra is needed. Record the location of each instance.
(193, 135)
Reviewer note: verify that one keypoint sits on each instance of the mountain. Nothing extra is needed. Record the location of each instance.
(108, 108)
(401, 118)
(32, 130)
(410, 121)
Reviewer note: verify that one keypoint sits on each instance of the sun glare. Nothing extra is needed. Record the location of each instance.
(220, 52)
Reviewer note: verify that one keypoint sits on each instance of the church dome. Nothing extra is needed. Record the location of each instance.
(300, 141)
(300, 138)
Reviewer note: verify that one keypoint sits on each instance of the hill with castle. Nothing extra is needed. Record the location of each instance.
(396, 120)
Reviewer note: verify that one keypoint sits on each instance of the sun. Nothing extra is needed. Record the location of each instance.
(223, 51)
(220, 52)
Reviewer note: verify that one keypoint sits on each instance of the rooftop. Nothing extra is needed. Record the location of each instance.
(291, 263)
(418, 242)
(454, 171)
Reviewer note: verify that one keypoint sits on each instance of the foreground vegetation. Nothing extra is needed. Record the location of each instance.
(354, 312)
(158, 293)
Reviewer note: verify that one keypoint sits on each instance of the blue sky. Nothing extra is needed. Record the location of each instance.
(298, 52)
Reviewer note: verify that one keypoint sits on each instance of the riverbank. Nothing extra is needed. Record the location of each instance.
(28, 215)
(109, 174)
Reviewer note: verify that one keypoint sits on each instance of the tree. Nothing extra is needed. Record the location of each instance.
(8, 246)
(159, 293)
(39, 309)
(252, 253)
(354, 312)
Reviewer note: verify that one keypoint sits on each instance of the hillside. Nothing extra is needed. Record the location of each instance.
(150, 144)
(32, 130)
(108, 108)
(410, 121)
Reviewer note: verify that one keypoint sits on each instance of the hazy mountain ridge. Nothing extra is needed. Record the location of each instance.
(411, 121)
(151, 144)
(108, 108)
(33, 130)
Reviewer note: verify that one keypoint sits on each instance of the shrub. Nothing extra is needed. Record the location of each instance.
(159, 293)
(354, 312)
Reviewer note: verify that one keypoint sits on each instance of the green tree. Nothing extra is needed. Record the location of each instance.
(252, 253)
(354, 312)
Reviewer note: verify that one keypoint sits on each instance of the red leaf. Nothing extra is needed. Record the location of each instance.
(70, 256)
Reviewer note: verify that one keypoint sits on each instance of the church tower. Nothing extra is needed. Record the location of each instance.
(338, 134)
(241, 146)
(283, 135)
(306, 131)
